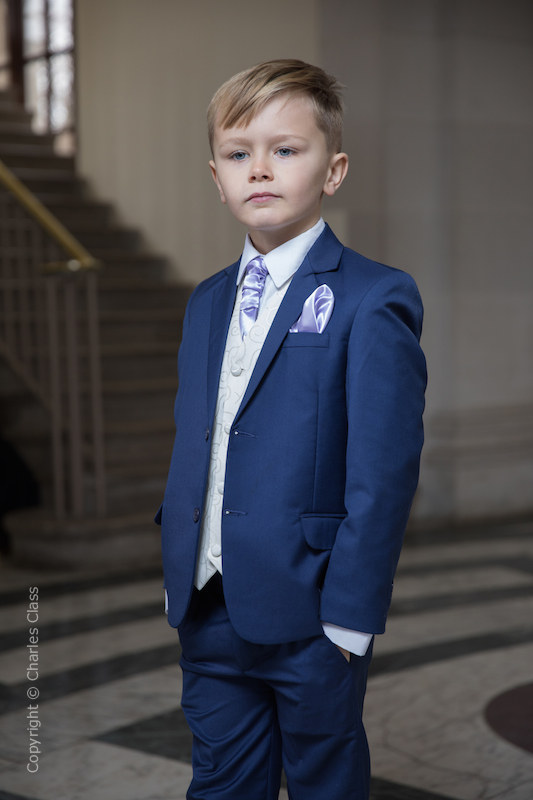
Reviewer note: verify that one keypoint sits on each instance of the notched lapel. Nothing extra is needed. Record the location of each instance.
(222, 303)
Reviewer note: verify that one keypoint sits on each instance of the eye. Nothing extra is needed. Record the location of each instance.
(238, 156)
(284, 152)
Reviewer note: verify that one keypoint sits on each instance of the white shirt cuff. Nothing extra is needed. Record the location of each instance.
(355, 642)
(166, 602)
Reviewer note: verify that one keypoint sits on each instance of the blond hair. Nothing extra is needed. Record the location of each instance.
(244, 95)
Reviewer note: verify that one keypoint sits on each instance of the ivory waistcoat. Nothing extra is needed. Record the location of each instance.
(237, 367)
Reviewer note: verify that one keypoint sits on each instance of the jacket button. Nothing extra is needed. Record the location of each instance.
(207, 432)
(196, 515)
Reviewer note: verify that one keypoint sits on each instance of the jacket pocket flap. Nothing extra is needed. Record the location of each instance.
(320, 530)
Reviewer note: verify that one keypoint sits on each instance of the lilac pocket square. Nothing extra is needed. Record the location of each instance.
(315, 312)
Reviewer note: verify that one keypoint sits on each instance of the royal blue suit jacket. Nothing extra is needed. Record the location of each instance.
(323, 454)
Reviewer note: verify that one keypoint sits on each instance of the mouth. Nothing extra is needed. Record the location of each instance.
(261, 197)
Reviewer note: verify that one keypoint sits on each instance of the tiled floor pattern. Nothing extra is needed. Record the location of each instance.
(108, 724)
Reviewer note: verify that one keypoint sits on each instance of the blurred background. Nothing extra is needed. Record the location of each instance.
(438, 129)
(109, 217)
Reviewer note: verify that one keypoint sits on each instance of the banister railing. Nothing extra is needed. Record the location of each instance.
(49, 336)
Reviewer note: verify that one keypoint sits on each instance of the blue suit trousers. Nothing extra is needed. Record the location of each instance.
(255, 708)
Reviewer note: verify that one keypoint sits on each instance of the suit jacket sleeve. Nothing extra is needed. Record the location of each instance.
(385, 383)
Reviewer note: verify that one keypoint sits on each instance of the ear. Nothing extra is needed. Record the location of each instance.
(213, 169)
(338, 167)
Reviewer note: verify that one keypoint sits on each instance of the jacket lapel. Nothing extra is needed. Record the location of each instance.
(222, 302)
(324, 256)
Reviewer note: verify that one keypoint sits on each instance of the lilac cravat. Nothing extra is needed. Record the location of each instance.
(252, 289)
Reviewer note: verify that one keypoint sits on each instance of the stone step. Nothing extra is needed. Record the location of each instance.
(138, 484)
(147, 401)
(141, 471)
(144, 385)
(14, 113)
(67, 200)
(77, 212)
(162, 320)
(35, 159)
(49, 176)
(138, 406)
(133, 360)
(14, 396)
(126, 358)
(136, 450)
(142, 349)
(28, 147)
(24, 136)
(149, 439)
(143, 503)
(49, 182)
(149, 365)
(10, 128)
(98, 238)
(135, 484)
(128, 468)
(150, 332)
(145, 326)
(124, 540)
(131, 266)
(142, 402)
(8, 94)
(140, 294)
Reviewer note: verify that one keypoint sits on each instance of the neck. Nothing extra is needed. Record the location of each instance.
(265, 241)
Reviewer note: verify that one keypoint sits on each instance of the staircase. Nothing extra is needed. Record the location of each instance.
(140, 325)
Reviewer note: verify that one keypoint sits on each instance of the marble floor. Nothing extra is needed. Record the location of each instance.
(90, 683)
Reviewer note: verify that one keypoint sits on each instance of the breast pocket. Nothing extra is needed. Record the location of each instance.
(306, 339)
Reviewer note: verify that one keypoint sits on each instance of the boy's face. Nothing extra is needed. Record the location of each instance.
(273, 172)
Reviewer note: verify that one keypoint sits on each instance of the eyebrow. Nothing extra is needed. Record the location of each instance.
(236, 141)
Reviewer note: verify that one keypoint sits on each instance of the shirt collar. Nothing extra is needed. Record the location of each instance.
(283, 261)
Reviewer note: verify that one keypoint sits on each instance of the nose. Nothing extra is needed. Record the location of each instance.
(259, 170)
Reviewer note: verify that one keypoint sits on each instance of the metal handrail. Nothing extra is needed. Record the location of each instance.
(60, 283)
(80, 258)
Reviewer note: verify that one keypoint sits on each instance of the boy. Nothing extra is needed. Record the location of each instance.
(295, 462)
